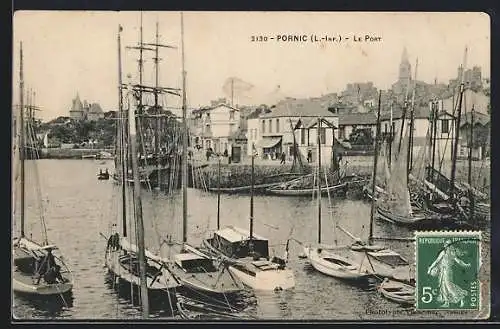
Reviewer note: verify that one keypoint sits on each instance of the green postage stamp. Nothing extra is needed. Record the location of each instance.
(447, 270)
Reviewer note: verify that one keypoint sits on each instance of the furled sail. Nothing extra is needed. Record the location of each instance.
(398, 195)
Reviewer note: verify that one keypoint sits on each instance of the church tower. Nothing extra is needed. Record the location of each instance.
(404, 68)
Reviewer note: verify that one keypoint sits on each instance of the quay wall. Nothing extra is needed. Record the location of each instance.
(69, 153)
(239, 174)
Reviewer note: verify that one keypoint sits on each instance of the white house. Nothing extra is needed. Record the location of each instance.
(213, 127)
(253, 132)
(306, 132)
(272, 132)
(421, 129)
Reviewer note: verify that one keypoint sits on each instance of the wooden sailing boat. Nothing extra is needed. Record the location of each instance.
(132, 264)
(395, 205)
(248, 254)
(197, 271)
(37, 270)
(361, 259)
(444, 195)
(325, 259)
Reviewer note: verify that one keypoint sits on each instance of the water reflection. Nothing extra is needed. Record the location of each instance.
(49, 307)
(78, 207)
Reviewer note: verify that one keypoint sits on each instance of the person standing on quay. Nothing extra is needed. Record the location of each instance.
(283, 157)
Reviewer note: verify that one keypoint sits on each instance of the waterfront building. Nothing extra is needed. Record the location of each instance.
(215, 127)
(445, 133)
(273, 132)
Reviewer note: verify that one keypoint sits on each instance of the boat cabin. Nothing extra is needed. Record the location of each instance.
(192, 263)
(234, 242)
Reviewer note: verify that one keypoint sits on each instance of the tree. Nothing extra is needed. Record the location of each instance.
(361, 136)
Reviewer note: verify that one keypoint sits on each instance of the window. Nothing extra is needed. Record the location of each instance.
(342, 132)
(445, 126)
(231, 115)
(270, 125)
(263, 126)
(302, 136)
(322, 135)
(277, 125)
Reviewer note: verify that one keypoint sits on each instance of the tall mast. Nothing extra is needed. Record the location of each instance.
(232, 91)
(23, 131)
(403, 118)
(471, 139)
(141, 60)
(434, 118)
(457, 126)
(251, 198)
(218, 193)
(409, 157)
(390, 136)
(375, 159)
(121, 135)
(184, 139)
(318, 139)
(157, 111)
(469, 178)
(138, 213)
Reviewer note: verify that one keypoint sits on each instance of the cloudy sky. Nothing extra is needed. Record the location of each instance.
(70, 52)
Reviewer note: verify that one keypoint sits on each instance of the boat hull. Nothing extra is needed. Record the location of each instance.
(24, 277)
(334, 265)
(398, 292)
(162, 286)
(25, 284)
(279, 279)
(404, 220)
(308, 192)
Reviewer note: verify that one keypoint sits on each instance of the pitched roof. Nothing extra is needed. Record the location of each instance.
(420, 112)
(357, 119)
(479, 118)
(299, 108)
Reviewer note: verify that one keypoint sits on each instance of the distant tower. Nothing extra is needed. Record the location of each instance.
(404, 67)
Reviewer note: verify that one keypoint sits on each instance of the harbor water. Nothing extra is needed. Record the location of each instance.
(78, 207)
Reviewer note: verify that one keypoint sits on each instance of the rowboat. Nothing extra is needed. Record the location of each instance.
(398, 292)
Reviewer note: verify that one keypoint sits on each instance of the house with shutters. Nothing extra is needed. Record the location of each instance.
(289, 121)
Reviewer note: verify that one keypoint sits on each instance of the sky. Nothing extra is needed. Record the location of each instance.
(70, 52)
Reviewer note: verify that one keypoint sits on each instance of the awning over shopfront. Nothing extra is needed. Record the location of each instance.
(269, 142)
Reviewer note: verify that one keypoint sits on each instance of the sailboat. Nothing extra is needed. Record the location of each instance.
(37, 270)
(248, 254)
(198, 272)
(129, 263)
(361, 259)
(324, 258)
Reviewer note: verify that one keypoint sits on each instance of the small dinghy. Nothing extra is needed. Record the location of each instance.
(191, 309)
(396, 291)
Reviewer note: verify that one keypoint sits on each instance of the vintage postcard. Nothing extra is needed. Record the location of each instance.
(246, 166)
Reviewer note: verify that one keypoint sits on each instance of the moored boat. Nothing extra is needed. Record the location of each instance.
(329, 262)
(248, 259)
(396, 291)
(37, 271)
